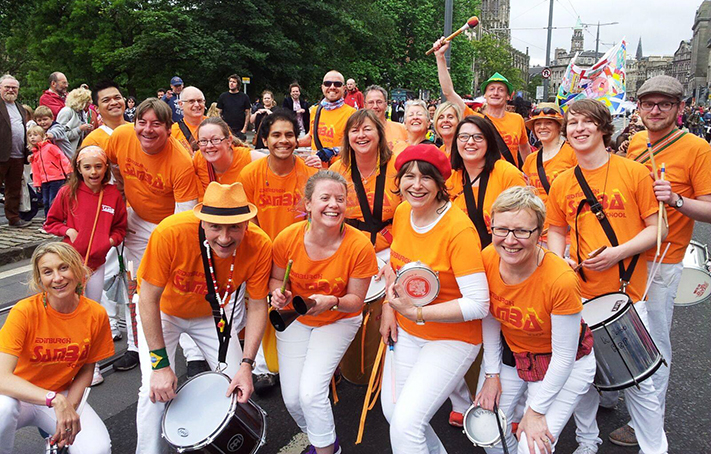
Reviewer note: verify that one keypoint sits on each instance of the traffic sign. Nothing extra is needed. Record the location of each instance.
(246, 80)
(546, 73)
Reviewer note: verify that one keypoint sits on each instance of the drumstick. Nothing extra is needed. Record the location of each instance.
(391, 346)
(591, 255)
(653, 271)
(286, 275)
(471, 23)
(661, 216)
(651, 158)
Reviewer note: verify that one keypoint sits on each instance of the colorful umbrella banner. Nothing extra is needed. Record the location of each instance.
(604, 81)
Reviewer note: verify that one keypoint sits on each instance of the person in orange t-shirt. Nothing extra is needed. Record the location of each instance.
(48, 347)
(111, 105)
(446, 118)
(623, 189)
(376, 99)
(686, 191)
(475, 159)
(555, 156)
(177, 297)
(218, 160)
(428, 228)
(536, 304)
(331, 269)
(366, 159)
(192, 101)
(157, 179)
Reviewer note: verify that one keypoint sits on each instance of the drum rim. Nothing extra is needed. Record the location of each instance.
(630, 383)
(478, 443)
(417, 265)
(702, 300)
(614, 317)
(210, 438)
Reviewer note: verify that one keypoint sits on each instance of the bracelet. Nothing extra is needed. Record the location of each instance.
(249, 361)
(335, 307)
(159, 359)
(491, 375)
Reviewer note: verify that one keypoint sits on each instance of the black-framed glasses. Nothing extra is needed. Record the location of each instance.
(664, 106)
(545, 111)
(464, 137)
(215, 142)
(521, 234)
(332, 83)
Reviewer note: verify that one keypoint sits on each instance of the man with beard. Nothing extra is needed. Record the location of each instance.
(354, 97)
(56, 94)
(13, 148)
(234, 107)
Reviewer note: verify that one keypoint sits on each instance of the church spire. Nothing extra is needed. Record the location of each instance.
(638, 55)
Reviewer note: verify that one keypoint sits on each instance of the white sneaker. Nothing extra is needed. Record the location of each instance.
(98, 378)
(609, 399)
(586, 449)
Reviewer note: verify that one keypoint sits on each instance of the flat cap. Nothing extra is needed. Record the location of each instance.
(662, 85)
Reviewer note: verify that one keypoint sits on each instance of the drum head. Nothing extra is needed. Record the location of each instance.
(696, 256)
(604, 308)
(377, 288)
(480, 426)
(694, 287)
(198, 410)
(421, 283)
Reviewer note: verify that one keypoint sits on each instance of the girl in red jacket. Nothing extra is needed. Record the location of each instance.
(91, 216)
(50, 166)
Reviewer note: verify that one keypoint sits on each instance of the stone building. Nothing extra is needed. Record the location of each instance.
(681, 64)
(698, 87)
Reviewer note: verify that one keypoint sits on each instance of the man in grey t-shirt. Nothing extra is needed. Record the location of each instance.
(13, 148)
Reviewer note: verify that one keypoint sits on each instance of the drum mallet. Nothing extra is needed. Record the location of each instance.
(591, 255)
(471, 23)
(661, 216)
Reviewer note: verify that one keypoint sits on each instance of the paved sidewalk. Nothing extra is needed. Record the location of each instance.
(19, 244)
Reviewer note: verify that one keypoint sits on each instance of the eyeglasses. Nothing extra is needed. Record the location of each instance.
(332, 83)
(521, 234)
(545, 111)
(464, 137)
(215, 142)
(193, 101)
(664, 106)
(10, 87)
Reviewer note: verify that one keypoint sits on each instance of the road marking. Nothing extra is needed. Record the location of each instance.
(297, 444)
(15, 271)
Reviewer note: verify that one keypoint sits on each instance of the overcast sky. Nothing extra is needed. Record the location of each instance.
(662, 24)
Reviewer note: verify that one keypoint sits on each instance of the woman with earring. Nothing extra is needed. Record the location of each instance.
(48, 347)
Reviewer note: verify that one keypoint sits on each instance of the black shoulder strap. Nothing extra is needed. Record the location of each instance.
(542, 172)
(317, 117)
(596, 208)
(373, 220)
(503, 148)
(188, 135)
(476, 210)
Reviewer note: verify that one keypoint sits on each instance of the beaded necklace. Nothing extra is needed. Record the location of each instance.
(222, 301)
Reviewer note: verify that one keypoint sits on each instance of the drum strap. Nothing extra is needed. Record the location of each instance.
(222, 325)
(317, 117)
(188, 135)
(476, 209)
(596, 208)
(373, 220)
(503, 148)
(542, 172)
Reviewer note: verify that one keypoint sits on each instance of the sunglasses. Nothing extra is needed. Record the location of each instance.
(332, 83)
(545, 111)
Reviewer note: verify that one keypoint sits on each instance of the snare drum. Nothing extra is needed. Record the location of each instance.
(420, 282)
(624, 351)
(480, 426)
(695, 284)
(357, 363)
(200, 418)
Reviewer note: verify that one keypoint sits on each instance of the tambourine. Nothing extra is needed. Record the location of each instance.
(421, 284)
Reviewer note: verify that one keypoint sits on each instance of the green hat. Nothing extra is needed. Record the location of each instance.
(497, 78)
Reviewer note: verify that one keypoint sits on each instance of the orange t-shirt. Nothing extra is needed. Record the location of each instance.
(173, 261)
(394, 132)
(241, 156)
(331, 126)
(355, 258)
(177, 133)
(688, 167)
(469, 111)
(153, 184)
(452, 249)
(525, 309)
(512, 129)
(50, 346)
(504, 176)
(279, 199)
(98, 137)
(390, 200)
(625, 191)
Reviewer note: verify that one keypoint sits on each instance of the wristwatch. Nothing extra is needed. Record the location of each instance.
(420, 319)
(249, 361)
(49, 398)
(679, 202)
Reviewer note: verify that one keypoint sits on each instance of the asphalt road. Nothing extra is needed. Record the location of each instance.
(688, 419)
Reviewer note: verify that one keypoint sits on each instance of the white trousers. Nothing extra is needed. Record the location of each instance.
(14, 414)
(515, 391)
(308, 357)
(424, 373)
(642, 405)
(148, 414)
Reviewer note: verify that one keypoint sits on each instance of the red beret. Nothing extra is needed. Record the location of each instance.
(428, 153)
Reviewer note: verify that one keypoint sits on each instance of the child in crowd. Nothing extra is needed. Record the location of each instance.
(50, 166)
(55, 131)
(91, 216)
(29, 117)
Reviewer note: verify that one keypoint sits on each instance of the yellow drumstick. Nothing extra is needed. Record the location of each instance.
(286, 275)
(661, 216)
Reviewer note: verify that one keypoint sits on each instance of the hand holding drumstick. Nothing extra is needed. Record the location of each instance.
(591, 256)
